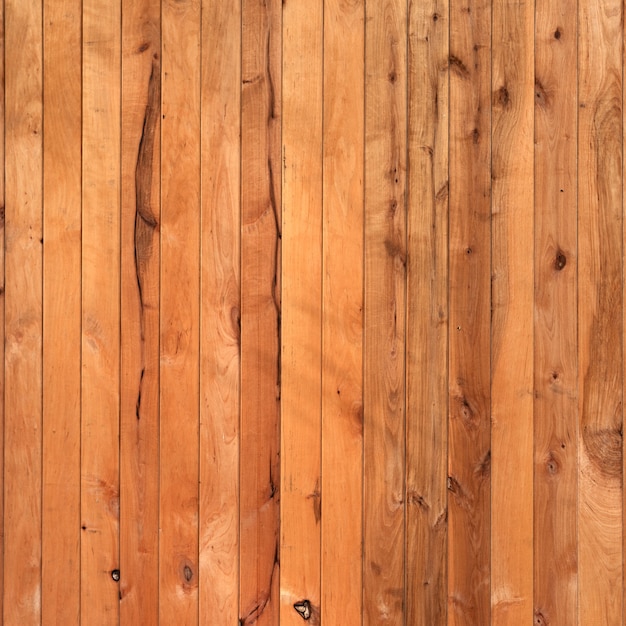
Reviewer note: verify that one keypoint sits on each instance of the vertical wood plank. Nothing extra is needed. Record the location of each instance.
(61, 313)
(23, 312)
(469, 452)
(100, 312)
(261, 104)
(301, 281)
(140, 254)
(180, 314)
(220, 314)
(512, 313)
(385, 311)
(555, 363)
(427, 319)
(600, 312)
(342, 334)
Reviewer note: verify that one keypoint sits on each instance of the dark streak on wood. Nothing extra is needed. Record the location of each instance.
(458, 67)
(252, 617)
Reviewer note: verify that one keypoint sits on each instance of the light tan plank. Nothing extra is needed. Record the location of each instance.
(427, 320)
(61, 313)
(342, 339)
(140, 253)
(301, 282)
(385, 304)
(600, 312)
(23, 312)
(180, 313)
(260, 312)
(220, 314)
(512, 308)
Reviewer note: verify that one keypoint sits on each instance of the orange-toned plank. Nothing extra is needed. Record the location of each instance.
(555, 363)
(385, 310)
(342, 338)
(427, 320)
(100, 312)
(469, 454)
(23, 312)
(260, 312)
(600, 312)
(512, 83)
(139, 284)
(220, 314)
(61, 313)
(301, 367)
(180, 312)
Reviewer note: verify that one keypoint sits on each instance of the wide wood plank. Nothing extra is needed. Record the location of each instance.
(100, 313)
(555, 367)
(301, 283)
(427, 320)
(220, 314)
(512, 314)
(139, 350)
(61, 313)
(600, 312)
(385, 312)
(23, 312)
(469, 448)
(261, 224)
(342, 316)
(180, 312)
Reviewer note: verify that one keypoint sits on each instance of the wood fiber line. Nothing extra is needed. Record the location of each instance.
(301, 360)
(512, 314)
(180, 312)
(2, 303)
(260, 312)
(342, 314)
(427, 320)
(600, 312)
(220, 314)
(555, 361)
(23, 312)
(140, 292)
(469, 451)
(61, 313)
(385, 312)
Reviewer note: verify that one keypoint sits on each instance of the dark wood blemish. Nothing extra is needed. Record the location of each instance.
(557, 33)
(553, 466)
(560, 260)
(143, 47)
(458, 67)
(540, 619)
(475, 136)
(502, 97)
(115, 575)
(2, 216)
(483, 470)
(253, 615)
(417, 499)
(436, 17)
(442, 194)
(138, 404)
(303, 608)
(316, 498)
(541, 95)
(187, 573)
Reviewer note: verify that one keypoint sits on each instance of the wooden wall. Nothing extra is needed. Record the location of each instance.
(313, 311)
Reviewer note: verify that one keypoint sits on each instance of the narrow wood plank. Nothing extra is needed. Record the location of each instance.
(100, 312)
(469, 451)
(260, 312)
(180, 312)
(385, 312)
(342, 340)
(427, 320)
(512, 290)
(220, 314)
(23, 312)
(61, 313)
(600, 312)
(555, 363)
(301, 366)
(139, 284)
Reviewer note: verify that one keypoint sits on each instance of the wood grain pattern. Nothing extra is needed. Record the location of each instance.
(342, 313)
(600, 312)
(385, 312)
(61, 313)
(180, 312)
(140, 295)
(427, 321)
(301, 349)
(261, 224)
(23, 312)
(100, 312)
(220, 314)
(555, 361)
